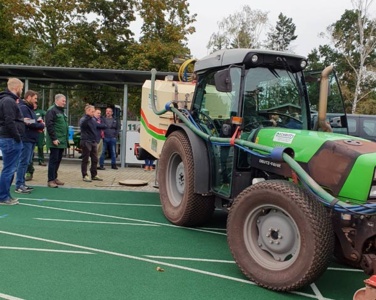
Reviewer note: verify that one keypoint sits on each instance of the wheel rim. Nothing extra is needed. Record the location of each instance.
(272, 237)
(176, 179)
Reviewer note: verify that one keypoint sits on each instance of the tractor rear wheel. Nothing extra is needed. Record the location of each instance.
(180, 204)
(280, 237)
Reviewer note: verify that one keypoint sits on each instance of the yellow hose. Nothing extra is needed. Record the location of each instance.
(183, 68)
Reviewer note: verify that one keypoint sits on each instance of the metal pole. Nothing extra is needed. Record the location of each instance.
(67, 109)
(123, 141)
(43, 99)
(26, 84)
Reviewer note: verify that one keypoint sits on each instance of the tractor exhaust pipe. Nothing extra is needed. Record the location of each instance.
(323, 100)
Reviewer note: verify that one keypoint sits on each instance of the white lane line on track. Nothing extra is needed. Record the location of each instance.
(207, 228)
(317, 292)
(313, 286)
(94, 222)
(345, 270)
(44, 250)
(191, 259)
(144, 260)
(121, 218)
(90, 202)
(8, 297)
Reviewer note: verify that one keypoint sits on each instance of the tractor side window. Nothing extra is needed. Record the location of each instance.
(216, 107)
(213, 110)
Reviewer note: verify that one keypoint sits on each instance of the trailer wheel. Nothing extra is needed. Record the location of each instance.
(180, 204)
(280, 237)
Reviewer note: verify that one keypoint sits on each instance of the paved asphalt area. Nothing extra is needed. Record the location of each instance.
(70, 173)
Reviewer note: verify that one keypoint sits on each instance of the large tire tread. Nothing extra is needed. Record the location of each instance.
(195, 209)
(321, 232)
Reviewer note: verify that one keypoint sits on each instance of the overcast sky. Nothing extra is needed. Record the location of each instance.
(310, 17)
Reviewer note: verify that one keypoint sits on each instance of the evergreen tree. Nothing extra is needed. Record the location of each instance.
(282, 35)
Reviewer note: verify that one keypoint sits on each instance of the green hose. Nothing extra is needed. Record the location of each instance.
(308, 180)
(152, 100)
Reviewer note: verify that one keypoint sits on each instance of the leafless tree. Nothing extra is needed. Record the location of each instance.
(355, 39)
(239, 30)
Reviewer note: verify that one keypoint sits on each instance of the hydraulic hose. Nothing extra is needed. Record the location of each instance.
(152, 94)
(307, 181)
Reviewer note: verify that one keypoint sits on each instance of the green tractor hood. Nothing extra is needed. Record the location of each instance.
(344, 166)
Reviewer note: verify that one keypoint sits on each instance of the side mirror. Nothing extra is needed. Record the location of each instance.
(335, 122)
(338, 122)
(222, 81)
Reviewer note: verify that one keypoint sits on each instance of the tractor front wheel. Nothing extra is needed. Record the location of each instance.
(280, 237)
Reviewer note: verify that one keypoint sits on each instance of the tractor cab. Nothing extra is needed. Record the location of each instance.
(253, 92)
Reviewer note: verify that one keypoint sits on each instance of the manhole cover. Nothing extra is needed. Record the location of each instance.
(133, 182)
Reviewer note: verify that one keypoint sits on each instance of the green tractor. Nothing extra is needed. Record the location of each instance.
(296, 192)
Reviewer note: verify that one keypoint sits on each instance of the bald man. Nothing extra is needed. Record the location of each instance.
(12, 128)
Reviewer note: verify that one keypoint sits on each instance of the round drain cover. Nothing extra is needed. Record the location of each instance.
(133, 182)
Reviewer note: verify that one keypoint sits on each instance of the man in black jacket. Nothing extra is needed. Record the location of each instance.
(29, 139)
(88, 144)
(12, 127)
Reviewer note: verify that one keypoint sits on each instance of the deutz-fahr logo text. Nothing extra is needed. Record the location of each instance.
(269, 163)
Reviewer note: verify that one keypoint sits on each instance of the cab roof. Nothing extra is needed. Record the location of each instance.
(227, 57)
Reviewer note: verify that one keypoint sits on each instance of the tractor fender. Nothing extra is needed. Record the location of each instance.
(201, 158)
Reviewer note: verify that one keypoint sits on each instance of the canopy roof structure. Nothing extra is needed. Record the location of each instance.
(78, 75)
(71, 76)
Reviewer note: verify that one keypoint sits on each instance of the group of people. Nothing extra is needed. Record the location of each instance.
(97, 135)
(20, 129)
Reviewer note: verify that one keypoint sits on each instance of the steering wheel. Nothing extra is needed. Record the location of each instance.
(254, 124)
(289, 117)
(209, 122)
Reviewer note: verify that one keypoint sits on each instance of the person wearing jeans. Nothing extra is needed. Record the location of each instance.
(29, 139)
(110, 135)
(11, 151)
(110, 144)
(149, 164)
(12, 128)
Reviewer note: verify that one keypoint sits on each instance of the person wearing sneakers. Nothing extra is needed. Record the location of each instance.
(29, 139)
(56, 138)
(110, 137)
(12, 127)
(30, 168)
(149, 163)
(88, 144)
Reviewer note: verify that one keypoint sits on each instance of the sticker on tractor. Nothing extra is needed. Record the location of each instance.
(284, 137)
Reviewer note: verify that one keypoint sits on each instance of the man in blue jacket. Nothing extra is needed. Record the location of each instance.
(12, 127)
(29, 139)
(110, 137)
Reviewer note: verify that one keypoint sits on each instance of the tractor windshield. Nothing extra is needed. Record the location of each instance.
(273, 97)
